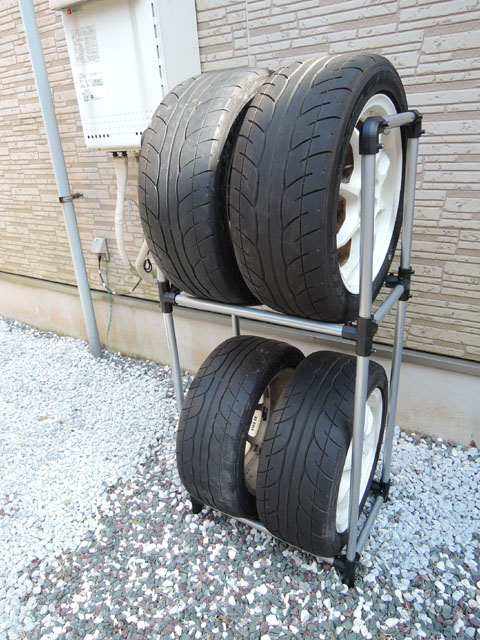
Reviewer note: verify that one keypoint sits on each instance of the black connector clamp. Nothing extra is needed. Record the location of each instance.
(414, 130)
(404, 278)
(370, 135)
(165, 305)
(366, 329)
(380, 488)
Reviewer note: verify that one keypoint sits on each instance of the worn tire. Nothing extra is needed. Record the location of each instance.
(289, 164)
(216, 417)
(183, 169)
(304, 451)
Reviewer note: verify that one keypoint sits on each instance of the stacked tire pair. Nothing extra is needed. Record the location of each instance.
(249, 192)
(266, 433)
(249, 184)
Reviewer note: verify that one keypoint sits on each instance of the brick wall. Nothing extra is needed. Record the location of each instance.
(435, 46)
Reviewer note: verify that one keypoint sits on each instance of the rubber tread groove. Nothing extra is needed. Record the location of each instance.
(286, 172)
(216, 416)
(304, 451)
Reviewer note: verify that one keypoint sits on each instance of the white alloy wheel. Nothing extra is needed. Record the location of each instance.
(388, 184)
(258, 427)
(371, 433)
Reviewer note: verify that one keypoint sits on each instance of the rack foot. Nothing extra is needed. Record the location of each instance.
(196, 505)
(347, 568)
(381, 488)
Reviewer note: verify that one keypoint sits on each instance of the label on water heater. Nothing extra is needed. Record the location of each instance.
(85, 44)
(87, 55)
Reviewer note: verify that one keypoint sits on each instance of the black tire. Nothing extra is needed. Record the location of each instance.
(288, 165)
(216, 417)
(305, 448)
(183, 169)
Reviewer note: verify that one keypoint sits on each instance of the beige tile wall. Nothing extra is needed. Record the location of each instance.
(436, 48)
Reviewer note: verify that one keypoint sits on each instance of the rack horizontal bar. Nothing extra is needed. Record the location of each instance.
(400, 119)
(258, 526)
(261, 315)
(387, 305)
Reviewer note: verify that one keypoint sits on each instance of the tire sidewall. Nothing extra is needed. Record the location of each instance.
(380, 78)
(216, 417)
(376, 380)
(269, 373)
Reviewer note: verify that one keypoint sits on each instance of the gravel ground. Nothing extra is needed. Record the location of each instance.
(97, 539)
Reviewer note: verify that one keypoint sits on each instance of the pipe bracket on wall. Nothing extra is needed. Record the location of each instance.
(70, 198)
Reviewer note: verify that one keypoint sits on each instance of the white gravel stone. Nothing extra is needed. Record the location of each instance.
(304, 616)
(72, 426)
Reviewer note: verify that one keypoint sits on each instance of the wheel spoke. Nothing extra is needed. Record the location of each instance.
(350, 190)
(343, 493)
(348, 462)
(387, 188)
(347, 230)
(368, 422)
(355, 142)
(383, 164)
(353, 261)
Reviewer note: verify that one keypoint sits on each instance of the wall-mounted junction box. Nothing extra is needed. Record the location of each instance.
(100, 247)
(125, 56)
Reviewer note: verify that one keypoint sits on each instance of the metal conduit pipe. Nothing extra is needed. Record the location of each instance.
(61, 177)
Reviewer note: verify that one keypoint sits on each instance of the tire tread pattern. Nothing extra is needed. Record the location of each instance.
(216, 416)
(304, 449)
(181, 183)
(284, 172)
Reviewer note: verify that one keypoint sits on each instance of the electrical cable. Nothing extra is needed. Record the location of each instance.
(105, 284)
(110, 303)
(110, 293)
(129, 202)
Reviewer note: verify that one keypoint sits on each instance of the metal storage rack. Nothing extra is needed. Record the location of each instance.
(361, 333)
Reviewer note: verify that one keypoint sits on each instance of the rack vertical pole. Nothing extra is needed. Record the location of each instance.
(367, 228)
(406, 250)
(235, 325)
(167, 310)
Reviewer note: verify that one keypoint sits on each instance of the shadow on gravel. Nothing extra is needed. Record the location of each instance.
(153, 570)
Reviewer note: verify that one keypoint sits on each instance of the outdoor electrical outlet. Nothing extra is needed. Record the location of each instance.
(99, 246)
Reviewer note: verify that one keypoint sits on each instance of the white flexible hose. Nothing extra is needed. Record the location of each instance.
(120, 164)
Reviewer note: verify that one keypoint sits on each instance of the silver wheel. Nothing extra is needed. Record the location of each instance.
(388, 186)
(371, 433)
(258, 427)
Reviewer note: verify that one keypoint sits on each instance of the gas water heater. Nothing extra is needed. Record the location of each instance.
(125, 56)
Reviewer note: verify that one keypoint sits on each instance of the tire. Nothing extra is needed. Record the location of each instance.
(221, 409)
(295, 185)
(303, 468)
(183, 169)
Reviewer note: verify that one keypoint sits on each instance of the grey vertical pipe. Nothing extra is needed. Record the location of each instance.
(367, 209)
(407, 233)
(394, 384)
(409, 200)
(56, 152)
(235, 325)
(174, 359)
(367, 228)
